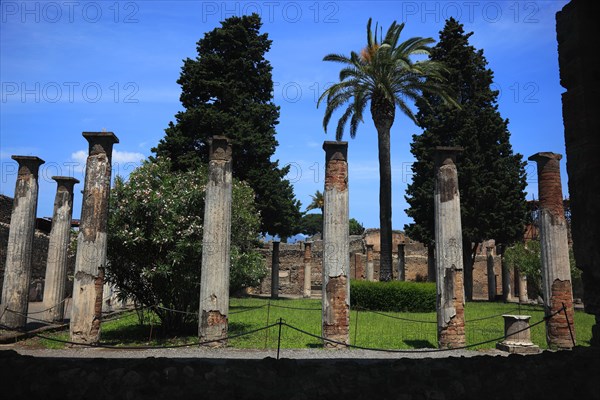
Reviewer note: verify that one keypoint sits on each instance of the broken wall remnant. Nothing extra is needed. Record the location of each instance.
(336, 262)
(17, 273)
(216, 240)
(556, 270)
(60, 238)
(449, 257)
(86, 313)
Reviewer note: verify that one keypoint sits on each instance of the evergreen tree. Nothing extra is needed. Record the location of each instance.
(491, 178)
(227, 90)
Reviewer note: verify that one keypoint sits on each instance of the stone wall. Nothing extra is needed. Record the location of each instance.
(561, 375)
(291, 264)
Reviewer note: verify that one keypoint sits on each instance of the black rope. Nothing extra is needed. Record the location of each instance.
(401, 318)
(47, 309)
(297, 308)
(247, 309)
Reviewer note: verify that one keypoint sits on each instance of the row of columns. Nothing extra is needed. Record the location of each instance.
(214, 295)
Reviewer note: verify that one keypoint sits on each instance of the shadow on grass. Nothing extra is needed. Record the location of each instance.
(420, 344)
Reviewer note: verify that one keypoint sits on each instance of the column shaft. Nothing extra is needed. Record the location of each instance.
(307, 269)
(216, 240)
(86, 313)
(370, 273)
(58, 247)
(401, 262)
(336, 262)
(449, 258)
(556, 270)
(17, 272)
(275, 271)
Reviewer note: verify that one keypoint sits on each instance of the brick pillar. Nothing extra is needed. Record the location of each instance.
(449, 260)
(576, 25)
(556, 271)
(17, 272)
(216, 239)
(370, 269)
(401, 262)
(275, 270)
(336, 264)
(86, 313)
(307, 269)
(491, 274)
(58, 246)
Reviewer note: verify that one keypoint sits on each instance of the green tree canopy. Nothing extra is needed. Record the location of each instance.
(227, 90)
(491, 177)
(155, 239)
(385, 76)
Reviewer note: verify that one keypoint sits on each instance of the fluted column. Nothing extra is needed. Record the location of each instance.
(336, 263)
(556, 270)
(58, 246)
(216, 240)
(86, 313)
(448, 242)
(17, 272)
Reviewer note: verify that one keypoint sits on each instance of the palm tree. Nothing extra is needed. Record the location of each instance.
(384, 75)
(317, 202)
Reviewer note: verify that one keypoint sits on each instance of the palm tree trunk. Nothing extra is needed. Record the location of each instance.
(383, 116)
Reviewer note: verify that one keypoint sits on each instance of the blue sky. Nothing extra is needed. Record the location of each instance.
(69, 67)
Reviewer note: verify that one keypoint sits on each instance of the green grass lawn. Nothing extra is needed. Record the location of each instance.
(387, 330)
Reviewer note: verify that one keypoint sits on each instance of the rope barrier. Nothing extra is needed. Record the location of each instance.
(47, 309)
(401, 318)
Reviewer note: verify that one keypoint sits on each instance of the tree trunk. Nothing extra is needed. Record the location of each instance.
(382, 112)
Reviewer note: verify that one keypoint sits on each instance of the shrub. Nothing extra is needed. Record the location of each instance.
(393, 296)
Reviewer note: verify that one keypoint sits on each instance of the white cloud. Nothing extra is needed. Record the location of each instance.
(127, 157)
(122, 161)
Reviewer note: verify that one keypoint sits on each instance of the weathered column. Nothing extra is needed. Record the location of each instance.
(86, 313)
(275, 270)
(336, 264)
(58, 247)
(518, 335)
(556, 271)
(214, 284)
(401, 262)
(370, 268)
(507, 291)
(431, 268)
(307, 269)
(521, 279)
(491, 274)
(449, 258)
(17, 272)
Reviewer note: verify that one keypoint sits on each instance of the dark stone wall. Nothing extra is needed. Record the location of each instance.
(563, 375)
(577, 32)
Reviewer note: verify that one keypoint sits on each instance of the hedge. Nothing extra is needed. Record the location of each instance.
(393, 296)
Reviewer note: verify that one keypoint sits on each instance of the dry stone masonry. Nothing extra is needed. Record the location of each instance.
(17, 274)
(336, 264)
(449, 260)
(214, 285)
(88, 283)
(60, 237)
(556, 271)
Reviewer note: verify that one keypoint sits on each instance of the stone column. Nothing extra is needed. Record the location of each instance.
(521, 279)
(449, 259)
(401, 262)
(491, 274)
(58, 247)
(86, 313)
(275, 271)
(17, 270)
(431, 268)
(214, 284)
(507, 291)
(307, 269)
(336, 264)
(556, 271)
(518, 335)
(370, 268)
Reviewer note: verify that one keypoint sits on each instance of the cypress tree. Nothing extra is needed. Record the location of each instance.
(227, 90)
(491, 177)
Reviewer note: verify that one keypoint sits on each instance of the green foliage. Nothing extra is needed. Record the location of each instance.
(491, 178)
(393, 296)
(385, 75)
(317, 202)
(155, 238)
(355, 227)
(527, 259)
(311, 224)
(227, 90)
